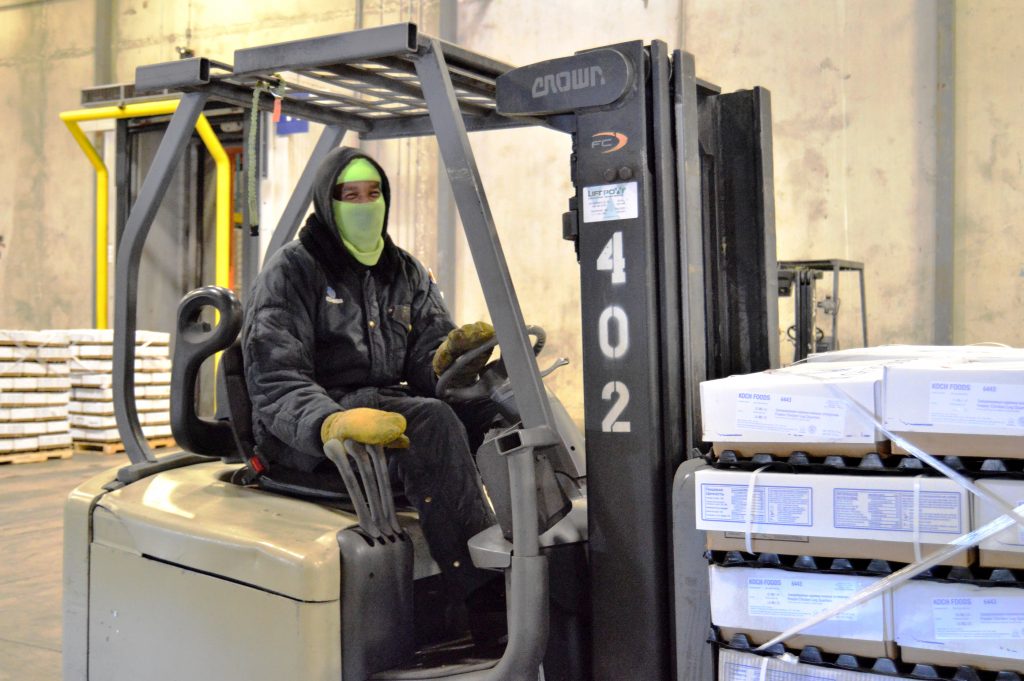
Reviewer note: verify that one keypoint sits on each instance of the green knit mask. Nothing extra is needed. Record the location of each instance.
(361, 225)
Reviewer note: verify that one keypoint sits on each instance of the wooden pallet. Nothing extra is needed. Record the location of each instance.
(158, 443)
(36, 457)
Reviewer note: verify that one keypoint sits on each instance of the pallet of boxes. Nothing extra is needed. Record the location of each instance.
(34, 392)
(91, 410)
(819, 488)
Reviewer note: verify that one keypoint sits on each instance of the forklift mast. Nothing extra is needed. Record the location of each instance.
(673, 221)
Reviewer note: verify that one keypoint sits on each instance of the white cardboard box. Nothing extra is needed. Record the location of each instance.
(1005, 549)
(33, 368)
(33, 413)
(957, 408)
(113, 435)
(34, 443)
(31, 338)
(106, 408)
(87, 394)
(28, 384)
(106, 351)
(838, 516)
(763, 602)
(106, 336)
(803, 407)
(957, 624)
(151, 418)
(42, 353)
(106, 366)
(898, 353)
(33, 399)
(13, 429)
(735, 665)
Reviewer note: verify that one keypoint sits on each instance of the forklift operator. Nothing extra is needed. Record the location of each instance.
(344, 337)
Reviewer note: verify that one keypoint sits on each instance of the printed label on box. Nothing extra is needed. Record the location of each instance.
(773, 505)
(799, 598)
(976, 404)
(974, 617)
(744, 672)
(893, 510)
(605, 202)
(804, 415)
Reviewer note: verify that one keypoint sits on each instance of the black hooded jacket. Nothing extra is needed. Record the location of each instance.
(321, 326)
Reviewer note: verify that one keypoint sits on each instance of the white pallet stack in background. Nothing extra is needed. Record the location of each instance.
(93, 425)
(34, 394)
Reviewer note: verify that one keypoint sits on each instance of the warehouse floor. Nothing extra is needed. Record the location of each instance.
(31, 506)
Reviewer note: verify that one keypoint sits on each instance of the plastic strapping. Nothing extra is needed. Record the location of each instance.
(897, 578)
(750, 508)
(927, 458)
(1011, 516)
(917, 518)
(764, 669)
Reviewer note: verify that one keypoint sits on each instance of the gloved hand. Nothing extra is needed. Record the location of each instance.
(460, 341)
(365, 425)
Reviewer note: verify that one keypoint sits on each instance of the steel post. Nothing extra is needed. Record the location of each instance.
(178, 134)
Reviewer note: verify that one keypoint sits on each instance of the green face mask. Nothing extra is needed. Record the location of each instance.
(361, 225)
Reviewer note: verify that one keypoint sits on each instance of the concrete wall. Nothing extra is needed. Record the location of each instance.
(46, 184)
(854, 104)
(989, 173)
(853, 99)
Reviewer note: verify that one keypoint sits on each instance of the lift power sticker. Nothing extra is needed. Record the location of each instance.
(605, 202)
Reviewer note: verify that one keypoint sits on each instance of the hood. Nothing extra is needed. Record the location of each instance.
(321, 236)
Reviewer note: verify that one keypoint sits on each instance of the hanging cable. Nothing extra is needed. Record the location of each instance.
(252, 161)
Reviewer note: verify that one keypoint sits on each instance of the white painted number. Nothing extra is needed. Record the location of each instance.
(611, 259)
(622, 332)
(610, 423)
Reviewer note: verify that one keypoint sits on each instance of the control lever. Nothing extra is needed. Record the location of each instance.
(557, 364)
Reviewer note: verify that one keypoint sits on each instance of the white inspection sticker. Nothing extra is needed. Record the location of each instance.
(605, 202)
(802, 415)
(975, 617)
(800, 598)
(999, 405)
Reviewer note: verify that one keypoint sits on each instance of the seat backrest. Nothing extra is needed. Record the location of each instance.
(194, 341)
(232, 368)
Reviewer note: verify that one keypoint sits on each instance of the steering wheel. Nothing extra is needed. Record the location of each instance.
(491, 376)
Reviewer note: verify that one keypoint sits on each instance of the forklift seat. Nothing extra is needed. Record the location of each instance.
(231, 436)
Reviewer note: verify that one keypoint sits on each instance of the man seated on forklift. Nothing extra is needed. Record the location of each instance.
(344, 337)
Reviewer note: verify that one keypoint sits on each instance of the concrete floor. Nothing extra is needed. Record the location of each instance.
(31, 506)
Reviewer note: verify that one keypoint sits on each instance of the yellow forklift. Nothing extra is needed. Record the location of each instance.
(187, 566)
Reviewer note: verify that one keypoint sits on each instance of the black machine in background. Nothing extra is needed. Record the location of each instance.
(798, 278)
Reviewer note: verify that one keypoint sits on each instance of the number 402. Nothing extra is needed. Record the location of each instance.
(612, 260)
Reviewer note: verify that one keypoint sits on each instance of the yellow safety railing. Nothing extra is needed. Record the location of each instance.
(223, 203)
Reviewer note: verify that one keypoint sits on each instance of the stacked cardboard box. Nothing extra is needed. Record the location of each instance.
(92, 397)
(807, 407)
(34, 390)
(948, 401)
(736, 665)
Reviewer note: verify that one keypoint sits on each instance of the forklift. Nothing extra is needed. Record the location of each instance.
(181, 566)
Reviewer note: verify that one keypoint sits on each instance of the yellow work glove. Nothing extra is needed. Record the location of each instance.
(460, 341)
(368, 426)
